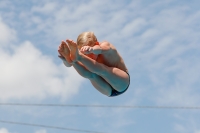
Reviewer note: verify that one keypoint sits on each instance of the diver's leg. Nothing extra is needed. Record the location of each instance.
(101, 85)
(117, 78)
(98, 82)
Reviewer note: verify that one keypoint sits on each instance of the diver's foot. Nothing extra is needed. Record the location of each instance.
(74, 52)
(65, 52)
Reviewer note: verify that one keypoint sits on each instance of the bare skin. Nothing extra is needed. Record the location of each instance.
(105, 74)
(63, 48)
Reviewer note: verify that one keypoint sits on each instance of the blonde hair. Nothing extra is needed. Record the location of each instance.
(86, 38)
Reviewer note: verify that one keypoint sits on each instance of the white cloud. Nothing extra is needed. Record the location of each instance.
(4, 4)
(3, 130)
(7, 34)
(68, 20)
(46, 8)
(133, 27)
(168, 48)
(26, 73)
(179, 128)
(41, 131)
(187, 125)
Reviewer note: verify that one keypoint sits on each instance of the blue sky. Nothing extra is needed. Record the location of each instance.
(159, 41)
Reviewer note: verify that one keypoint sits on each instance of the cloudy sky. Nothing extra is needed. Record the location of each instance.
(159, 41)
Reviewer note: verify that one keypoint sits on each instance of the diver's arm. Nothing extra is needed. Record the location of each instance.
(103, 48)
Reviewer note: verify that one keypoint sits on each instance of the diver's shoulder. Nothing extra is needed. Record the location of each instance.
(105, 43)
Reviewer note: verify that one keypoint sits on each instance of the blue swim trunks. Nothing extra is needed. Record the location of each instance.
(116, 93)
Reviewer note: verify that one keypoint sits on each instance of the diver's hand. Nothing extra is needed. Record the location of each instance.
(86, 50)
